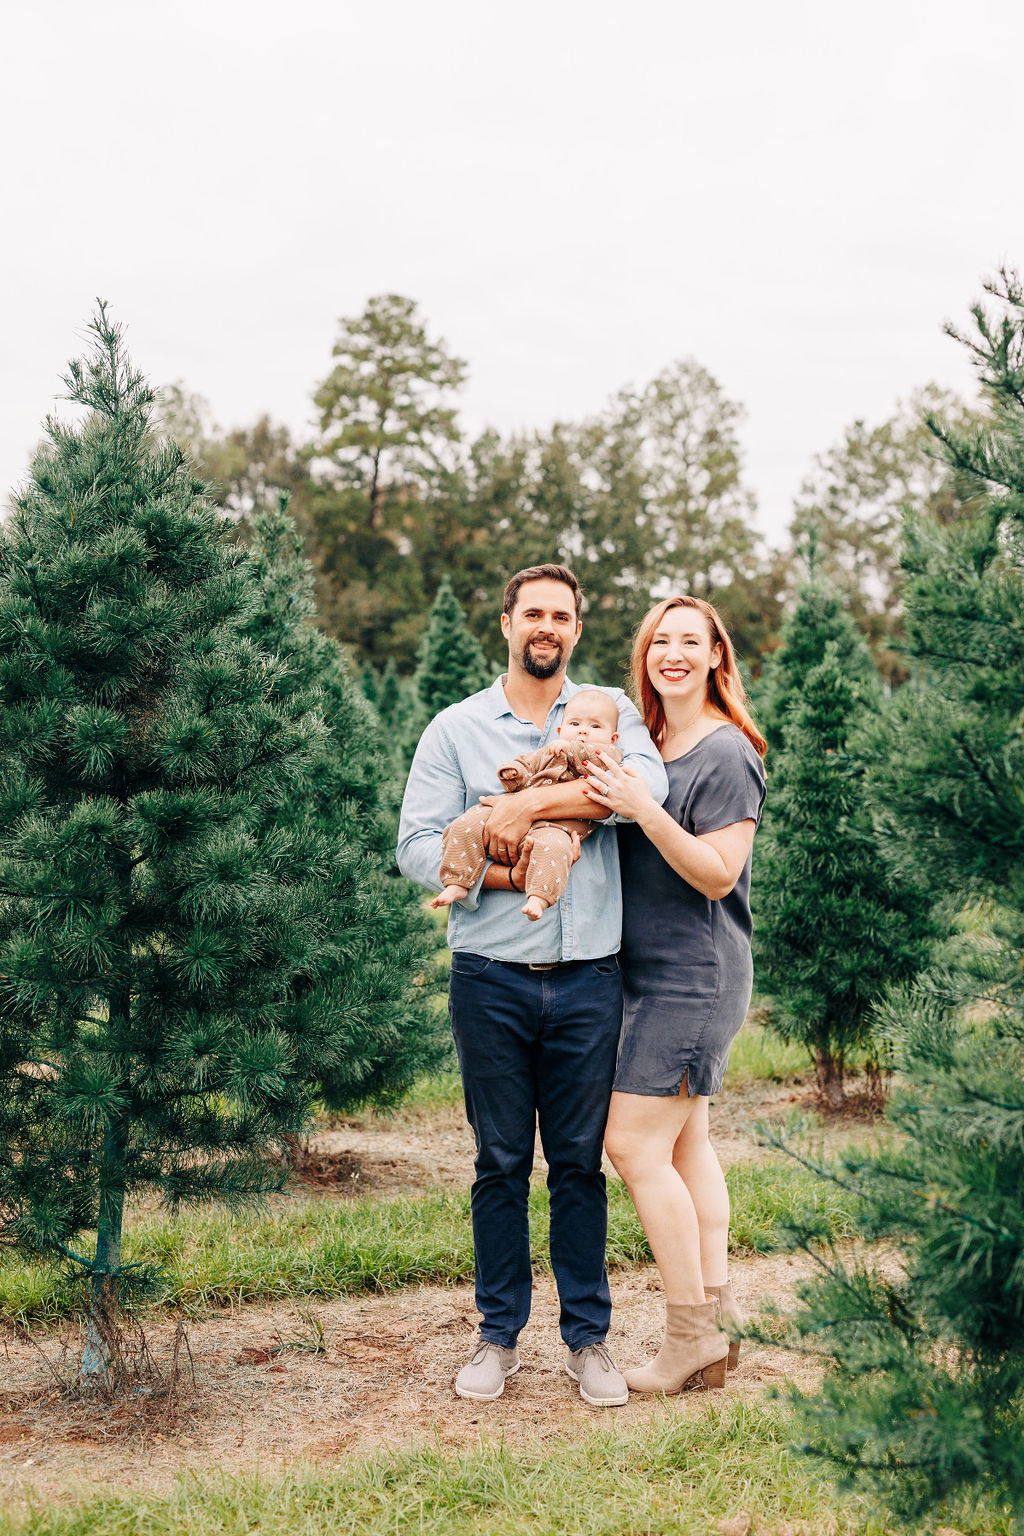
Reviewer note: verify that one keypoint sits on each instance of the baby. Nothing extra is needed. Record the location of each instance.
(590, 720)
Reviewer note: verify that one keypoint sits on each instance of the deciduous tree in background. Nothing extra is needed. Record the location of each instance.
(646, 497)
(855, 497)
(248, 468)
(384, 448)
(661, 507)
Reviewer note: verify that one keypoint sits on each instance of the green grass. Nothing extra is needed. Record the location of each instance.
(679, 1475)
(757, 1054)
(319, 1248)
(442, 1090)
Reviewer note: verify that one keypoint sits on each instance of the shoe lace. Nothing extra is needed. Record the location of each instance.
(599, 1352)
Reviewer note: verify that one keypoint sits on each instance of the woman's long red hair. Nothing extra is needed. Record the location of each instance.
(726, 693)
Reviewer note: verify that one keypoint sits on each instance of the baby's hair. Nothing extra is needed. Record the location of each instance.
(594, 693)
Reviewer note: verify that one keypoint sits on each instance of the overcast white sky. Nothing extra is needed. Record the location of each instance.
(796, 194)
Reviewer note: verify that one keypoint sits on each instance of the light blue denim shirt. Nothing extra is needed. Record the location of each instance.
(456, 762)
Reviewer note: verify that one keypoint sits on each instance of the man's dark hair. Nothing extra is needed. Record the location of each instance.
(542, 573)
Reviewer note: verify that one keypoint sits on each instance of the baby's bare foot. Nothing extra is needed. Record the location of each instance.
(450, 895)
(535, 907)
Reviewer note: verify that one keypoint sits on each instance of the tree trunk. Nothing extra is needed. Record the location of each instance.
(296, 1150)
(374, 518)
(828, 1066)
(877, 1079)
(98, 1365)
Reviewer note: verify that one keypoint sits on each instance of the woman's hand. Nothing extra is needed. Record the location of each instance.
(621, 789)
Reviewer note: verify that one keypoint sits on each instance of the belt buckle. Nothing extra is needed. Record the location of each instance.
(547, 965)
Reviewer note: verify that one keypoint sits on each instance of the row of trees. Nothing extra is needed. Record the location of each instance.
(644, 497)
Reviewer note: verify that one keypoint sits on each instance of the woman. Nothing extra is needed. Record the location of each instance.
(686, 970)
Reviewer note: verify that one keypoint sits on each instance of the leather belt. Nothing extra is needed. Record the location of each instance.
(552, 965)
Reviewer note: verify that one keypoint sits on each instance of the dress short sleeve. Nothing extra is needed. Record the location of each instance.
(729, 784)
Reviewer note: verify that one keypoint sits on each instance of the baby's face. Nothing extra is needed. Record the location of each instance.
(590, 717)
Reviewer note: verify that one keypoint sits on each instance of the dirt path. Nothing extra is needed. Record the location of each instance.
(385, 1380)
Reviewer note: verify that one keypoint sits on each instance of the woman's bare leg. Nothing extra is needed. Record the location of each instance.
(641, 1140)
(696, 1162)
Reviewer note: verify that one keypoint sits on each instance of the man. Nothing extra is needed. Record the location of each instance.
(535, 1006)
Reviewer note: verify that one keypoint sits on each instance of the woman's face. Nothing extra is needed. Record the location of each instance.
(681, 656)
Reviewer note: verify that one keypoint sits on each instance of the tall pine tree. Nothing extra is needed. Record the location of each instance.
(166, 929)
(833, 925)
(924, 1403)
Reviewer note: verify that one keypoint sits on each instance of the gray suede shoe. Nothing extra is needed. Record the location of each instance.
(482, 1379)
(600, 1383)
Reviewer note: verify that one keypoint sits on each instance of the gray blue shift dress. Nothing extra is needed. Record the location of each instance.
(685, 960)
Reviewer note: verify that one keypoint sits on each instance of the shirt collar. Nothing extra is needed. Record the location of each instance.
(500, 705)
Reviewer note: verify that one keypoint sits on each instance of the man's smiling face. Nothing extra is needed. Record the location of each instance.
(542, 628)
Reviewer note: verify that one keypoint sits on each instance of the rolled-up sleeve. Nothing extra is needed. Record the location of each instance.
(434, 795)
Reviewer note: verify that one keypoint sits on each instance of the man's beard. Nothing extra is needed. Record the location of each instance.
(541, 666)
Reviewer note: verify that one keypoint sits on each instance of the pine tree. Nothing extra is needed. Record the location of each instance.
(450, 664)
(833, 926)
(818, 617)
(370, 682)
(924, 1402)
(389, 700)
(378, 987)
(165, 933)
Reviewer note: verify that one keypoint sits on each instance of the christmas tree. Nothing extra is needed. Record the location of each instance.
(923, 1402)
(817, 618)
(833, 926)
(379, 985)
(370, 682)
(166, 926)
(390, 702)
(450, 666)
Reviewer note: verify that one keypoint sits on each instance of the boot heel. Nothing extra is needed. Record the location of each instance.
(734, 1354)
(714, 1375)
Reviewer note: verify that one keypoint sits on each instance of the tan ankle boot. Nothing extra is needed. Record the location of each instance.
(730, 1318)
(694, 1346)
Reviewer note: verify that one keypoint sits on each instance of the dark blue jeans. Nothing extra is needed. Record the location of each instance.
(538, 1047)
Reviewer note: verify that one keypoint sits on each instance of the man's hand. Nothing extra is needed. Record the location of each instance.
(510, 819)
(521, 866)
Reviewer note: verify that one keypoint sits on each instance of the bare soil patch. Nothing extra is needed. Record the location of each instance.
(374, 1155)
(264, 1398)
(380, 1156)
